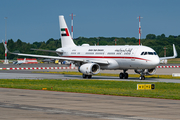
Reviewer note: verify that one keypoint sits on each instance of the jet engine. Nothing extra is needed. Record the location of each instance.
(146, 71)
(89, 68)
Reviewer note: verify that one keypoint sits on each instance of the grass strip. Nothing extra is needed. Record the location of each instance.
(118, 88)
(174, 61)
(108, 74)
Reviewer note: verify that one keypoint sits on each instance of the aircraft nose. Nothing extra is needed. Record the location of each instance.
(156, 61)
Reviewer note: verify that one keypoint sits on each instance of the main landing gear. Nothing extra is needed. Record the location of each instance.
(123, 75)
(86, 76)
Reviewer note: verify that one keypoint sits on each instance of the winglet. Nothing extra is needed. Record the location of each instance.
(174, 50)
(174, 56)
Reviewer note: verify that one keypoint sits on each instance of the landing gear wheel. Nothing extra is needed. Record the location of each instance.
(121, 75)
(142, 77)
(89, 76)
(84, 76)
(125, 75)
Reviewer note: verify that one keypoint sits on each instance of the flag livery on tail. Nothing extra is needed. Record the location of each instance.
(64, 32)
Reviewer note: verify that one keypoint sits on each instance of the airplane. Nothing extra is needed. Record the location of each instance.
(91, 59)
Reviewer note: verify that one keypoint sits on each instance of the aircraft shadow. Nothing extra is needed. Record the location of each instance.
(107, 78)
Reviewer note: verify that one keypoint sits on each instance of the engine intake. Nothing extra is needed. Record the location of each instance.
(89, 68)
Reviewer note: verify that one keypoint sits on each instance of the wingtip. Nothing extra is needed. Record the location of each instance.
(174, 50)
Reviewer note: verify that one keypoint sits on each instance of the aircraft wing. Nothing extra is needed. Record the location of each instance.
(174, 56)
(57, 57)
(63, 58)
(46, 50)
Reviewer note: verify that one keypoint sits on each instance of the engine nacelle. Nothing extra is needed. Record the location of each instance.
(146, 71)
(89, 68)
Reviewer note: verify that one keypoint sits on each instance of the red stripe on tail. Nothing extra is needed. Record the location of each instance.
(67, 33)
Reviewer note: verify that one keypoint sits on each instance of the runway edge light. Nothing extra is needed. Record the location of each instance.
(145, 86)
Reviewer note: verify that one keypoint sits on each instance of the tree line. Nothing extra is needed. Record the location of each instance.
(156, 42)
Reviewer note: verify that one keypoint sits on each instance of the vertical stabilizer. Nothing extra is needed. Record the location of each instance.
(66, 39)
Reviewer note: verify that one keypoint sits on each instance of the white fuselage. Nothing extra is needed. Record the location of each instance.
(118, 57)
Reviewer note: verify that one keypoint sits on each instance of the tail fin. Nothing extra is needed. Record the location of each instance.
(66, 39)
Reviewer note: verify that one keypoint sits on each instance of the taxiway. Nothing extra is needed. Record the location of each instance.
(44, 105)
(29, 75)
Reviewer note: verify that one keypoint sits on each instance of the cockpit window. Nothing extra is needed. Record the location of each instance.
(142, 53)
(148, 53)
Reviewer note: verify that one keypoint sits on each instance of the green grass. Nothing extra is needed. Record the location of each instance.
(118, 88)
(175, 60)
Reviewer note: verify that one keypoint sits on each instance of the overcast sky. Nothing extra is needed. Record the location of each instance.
(37, 20)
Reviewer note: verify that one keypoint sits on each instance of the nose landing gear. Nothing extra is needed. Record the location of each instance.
(142, 77)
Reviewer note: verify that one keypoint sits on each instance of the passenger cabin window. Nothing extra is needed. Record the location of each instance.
(99, 53)
(73, 52)
(118, 53)
(89, 52)
(111, 53)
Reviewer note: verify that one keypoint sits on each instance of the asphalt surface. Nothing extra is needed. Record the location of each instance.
(17, 104)
(19, 74)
